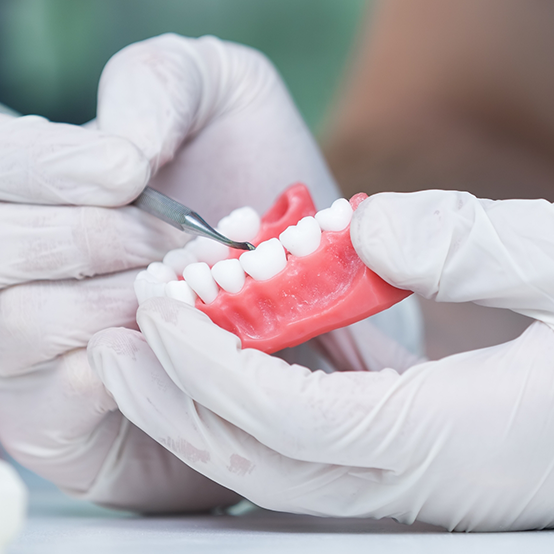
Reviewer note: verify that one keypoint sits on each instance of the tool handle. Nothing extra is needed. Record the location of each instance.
(162, 207)
(181, 217)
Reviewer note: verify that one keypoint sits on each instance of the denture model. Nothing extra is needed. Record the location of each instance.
(303, 279)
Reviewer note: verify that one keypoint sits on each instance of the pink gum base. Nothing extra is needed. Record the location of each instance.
(328, 289)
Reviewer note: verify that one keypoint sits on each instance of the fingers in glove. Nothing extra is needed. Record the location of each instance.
(230, 105)
(365, 419)
(61, 423)
(140, 474)
(453, 247)
(178, 85)
(55, 163)
(42, 320)
(325, 413)
(47, 242)
(65, 426)
(206, 442)
(441, 447)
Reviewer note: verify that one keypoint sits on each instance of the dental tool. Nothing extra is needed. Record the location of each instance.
(161, 206)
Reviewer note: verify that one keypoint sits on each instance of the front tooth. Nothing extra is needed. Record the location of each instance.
(207, 250)
(199, 278)
(241, 225)
(178, 259)
(303, 238)
(163, 273)
(147, 286)
(335, 218)
(266, 261)
(229, 275)
(180, 290)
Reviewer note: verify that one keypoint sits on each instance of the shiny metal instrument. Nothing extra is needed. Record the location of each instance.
(181, 217)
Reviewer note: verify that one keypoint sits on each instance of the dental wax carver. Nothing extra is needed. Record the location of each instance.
(210, 124)
(463, 442)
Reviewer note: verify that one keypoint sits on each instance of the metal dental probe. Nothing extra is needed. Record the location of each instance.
(170, 211)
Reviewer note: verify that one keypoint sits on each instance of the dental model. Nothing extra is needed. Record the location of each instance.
(303, 279)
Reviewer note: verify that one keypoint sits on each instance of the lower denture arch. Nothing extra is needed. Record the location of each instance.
(314, 294)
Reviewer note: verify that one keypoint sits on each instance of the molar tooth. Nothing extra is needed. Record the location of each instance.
(207, 250)
(163, 273)
(335, 218)
(178, 259)
(303, 238)
(147, 286)
(266, 261)
(199, 278)
(180, 290)
(241, 225)
(229, 275)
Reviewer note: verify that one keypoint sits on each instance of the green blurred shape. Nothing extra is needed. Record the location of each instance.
(52, 51)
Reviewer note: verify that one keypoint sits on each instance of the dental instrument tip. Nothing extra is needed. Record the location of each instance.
(238, 245)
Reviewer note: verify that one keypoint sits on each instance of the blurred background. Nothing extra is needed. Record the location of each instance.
(52, 51)
(402, 96)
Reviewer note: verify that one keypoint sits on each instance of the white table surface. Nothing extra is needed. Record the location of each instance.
(60, 525)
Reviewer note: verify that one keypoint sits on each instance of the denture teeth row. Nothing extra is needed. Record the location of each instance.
(205, 266)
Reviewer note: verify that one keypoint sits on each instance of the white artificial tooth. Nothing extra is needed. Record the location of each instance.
(199, 278)
(241, 225)
(229, 275)
(147, 286)
(266, 261)
(207, 250)
(303, 238)
(180, 290)
(163, 273)
(335, 218)
(178, 259)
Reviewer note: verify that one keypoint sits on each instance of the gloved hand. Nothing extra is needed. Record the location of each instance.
(65, 273)
(463, 442)
(219, 112)
(218, 119)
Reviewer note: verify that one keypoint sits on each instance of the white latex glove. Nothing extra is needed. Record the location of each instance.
(464, 442)
(220, 119)
(55, 416)
(221, 114)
